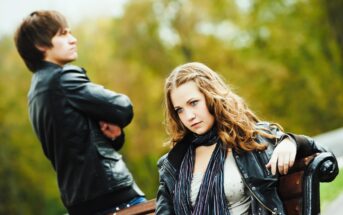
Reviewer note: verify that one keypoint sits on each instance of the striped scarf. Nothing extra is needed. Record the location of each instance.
(211, 198)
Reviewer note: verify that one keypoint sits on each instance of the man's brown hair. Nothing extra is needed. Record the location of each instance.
(37, 30)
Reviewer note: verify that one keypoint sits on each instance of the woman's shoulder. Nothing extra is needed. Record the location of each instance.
(268, 127)
(162, 160)
(165, 167)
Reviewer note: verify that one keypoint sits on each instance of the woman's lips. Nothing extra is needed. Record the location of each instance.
(195, 124)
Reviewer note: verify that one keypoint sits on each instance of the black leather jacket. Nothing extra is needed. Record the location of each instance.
(258, 179)
(65, 109)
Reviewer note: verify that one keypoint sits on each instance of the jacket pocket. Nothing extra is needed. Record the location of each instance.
(113, 167)
(108, 152)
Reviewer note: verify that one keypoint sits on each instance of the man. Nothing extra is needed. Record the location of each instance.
(79, 124)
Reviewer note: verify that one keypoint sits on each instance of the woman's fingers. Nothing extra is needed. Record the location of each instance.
(286, 165)
(283, 157)
(272, 163)
(280, 163)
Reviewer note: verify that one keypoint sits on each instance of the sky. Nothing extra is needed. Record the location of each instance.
(12, 12)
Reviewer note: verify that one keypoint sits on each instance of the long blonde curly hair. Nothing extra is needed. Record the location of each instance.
(235, 122)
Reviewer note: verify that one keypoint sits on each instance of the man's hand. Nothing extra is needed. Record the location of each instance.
(111, 131)
(283, 156)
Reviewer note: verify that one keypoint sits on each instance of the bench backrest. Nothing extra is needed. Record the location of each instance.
(291, 187)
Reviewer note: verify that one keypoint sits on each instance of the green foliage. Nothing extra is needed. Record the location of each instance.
(27, 184)
(283, 57)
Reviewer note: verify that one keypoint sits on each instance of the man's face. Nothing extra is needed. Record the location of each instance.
(63, 50)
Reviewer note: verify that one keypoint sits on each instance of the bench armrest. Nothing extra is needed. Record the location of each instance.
(323, 168)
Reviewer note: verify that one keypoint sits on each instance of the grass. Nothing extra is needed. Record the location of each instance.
(330, 191)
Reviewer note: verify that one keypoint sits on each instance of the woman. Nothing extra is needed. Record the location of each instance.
(224, 160)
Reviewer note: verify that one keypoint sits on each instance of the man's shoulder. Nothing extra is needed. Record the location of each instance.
(71, 74)
(70, 67)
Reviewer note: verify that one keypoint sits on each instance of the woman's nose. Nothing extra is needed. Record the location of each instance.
(190, 115)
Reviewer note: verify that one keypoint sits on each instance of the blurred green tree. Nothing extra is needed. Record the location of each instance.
(284, 57)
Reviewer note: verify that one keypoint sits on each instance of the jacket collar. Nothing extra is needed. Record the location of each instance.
(176, 154)
(47, 65)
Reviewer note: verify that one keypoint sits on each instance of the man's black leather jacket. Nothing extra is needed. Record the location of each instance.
(65, 109)
(257, 178)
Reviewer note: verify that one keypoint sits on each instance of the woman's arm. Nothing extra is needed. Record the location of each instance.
(306, 145)
(164, 202)
(290, 147)
(283, 156)
(164, 199)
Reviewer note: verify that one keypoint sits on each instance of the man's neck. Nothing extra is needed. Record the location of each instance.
(52, 63)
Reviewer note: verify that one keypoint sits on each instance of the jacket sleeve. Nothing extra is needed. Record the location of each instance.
(306, 146)
(94, 100)
(164, 201)
(119, 141)
(164, 204)
(273, 129)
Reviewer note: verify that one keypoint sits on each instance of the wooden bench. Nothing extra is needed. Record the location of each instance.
(299, 189)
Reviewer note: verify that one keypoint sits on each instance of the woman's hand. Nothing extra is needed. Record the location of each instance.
(283, 156)
(111, 131)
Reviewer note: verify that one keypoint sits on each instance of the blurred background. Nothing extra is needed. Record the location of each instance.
(285, 57)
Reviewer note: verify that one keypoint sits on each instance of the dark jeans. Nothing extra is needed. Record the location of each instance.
(132, 202)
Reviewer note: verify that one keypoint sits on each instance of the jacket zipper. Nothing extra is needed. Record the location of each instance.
(270, 210)
(243, 179)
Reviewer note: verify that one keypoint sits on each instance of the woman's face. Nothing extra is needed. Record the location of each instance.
(190, 105)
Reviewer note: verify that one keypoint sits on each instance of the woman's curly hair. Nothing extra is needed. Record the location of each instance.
(235, 122)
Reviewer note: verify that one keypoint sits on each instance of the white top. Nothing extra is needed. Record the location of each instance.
(236, 194)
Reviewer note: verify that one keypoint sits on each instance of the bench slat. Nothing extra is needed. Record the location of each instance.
(143, 208)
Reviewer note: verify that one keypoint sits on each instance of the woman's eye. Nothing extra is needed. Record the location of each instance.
(193, 103)
(178, 111)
